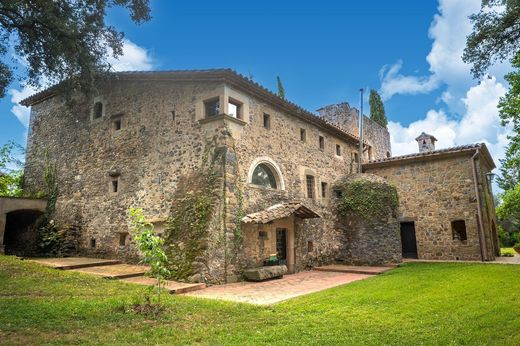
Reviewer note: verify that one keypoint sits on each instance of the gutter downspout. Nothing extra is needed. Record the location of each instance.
(479, 209)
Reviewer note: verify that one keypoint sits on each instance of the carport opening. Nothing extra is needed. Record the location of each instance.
(21, 232)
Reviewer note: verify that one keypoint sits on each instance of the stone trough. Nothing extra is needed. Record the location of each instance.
(265, 273)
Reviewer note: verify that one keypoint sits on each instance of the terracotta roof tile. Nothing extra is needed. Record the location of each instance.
(279, 211)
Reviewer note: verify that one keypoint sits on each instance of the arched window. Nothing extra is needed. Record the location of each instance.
(264, 176)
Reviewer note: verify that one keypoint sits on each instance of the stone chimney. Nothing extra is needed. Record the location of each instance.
(426, 142)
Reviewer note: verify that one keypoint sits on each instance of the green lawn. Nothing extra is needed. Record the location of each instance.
(418, 303)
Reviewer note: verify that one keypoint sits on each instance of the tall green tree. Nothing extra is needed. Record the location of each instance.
(281, 90)
(495, 36)
(377, 108)
(63, 40)
(509, 107)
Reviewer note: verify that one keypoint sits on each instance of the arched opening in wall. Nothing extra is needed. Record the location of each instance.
(264, 176)
(21, 233)
(265, 173)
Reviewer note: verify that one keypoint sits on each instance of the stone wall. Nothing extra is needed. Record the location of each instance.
(433, 192)
(347, 118)
(162, 139)
(368, 239)
(159, 142)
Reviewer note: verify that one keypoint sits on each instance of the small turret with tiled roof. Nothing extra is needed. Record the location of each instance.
(426, 142)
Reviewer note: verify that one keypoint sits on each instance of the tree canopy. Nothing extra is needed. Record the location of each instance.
(495, 36)
(64, 40)
(509, 107)
(377, 108)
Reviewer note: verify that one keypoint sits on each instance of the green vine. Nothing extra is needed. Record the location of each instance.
(190, 216)
(371, 200)
(51, 240)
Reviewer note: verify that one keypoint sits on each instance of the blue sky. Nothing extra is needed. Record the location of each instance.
(324, 52)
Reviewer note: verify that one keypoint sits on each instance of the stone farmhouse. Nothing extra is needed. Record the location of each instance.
(136, 143)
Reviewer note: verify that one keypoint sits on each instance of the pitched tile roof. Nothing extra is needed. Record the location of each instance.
(279, 211)
(223, 75)
(433, 154)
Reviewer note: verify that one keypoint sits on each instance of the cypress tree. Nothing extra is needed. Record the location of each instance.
(377, 108)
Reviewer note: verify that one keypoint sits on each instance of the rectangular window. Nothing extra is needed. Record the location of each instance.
(267, 121)
(117, 124)
(310, 186)
(338, 150)
(310, 246)
(369, 153)
(356, 158)
(114, 186)
(123, 236)
(458, 228)
(322, 143)
(93, 242)
(212, 107)
(234, 108)
(323, 190)
(98, 110)
(303, 135)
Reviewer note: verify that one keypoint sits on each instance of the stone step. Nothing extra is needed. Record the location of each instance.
(173, 287)
(368, 270)
(68, 263)
(116, 271)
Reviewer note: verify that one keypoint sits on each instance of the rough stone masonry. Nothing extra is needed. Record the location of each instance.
(132, 143)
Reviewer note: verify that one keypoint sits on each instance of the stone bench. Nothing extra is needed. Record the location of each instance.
(265, 273)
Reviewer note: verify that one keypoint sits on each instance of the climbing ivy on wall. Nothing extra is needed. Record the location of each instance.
(370, 200)
(192, 210)
(51, 239)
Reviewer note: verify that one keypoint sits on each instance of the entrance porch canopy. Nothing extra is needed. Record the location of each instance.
(280, 211)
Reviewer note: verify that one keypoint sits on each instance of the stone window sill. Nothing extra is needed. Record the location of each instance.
(263, 188)
(221, 117)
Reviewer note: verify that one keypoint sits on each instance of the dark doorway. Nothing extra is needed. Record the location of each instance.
(20, 237)
(408, 240)
(281, 245)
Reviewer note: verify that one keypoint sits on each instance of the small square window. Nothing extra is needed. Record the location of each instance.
(324, 187)
(212, 107)
(235, 108)
(310, 186)
(338, 193)
(458, 228)
(98, 110)
(123, 237)
(303, 135)
(267, 121)
(338, 150)
(322, 143)
(117, 124)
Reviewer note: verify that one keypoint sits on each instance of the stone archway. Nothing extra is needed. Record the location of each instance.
(10, 205)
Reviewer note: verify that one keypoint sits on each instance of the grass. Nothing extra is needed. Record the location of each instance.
(418, 303)
(508, 251)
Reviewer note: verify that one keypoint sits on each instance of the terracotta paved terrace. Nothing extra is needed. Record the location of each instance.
(278, 290)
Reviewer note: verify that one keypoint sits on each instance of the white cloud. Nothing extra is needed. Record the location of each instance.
(392, 82)
(22, 113)
(134, 58)
(480, 123)
(470, 114)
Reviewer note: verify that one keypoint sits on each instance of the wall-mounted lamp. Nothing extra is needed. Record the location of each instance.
(490, 177)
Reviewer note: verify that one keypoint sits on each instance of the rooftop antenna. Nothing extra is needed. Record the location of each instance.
(360, 152)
